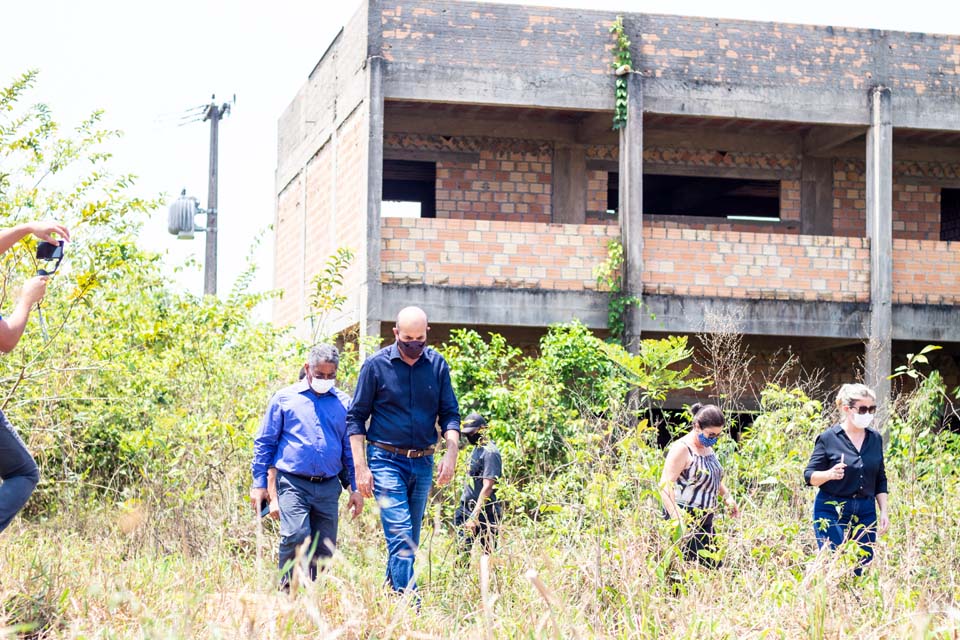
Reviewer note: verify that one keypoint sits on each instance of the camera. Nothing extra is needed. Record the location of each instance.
(49, 252)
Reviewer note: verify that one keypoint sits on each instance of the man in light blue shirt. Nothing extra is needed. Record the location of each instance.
(304, 435)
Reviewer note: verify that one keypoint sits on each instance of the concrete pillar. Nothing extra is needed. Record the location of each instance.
(816, 196)
(569, 184)
(371, 292)
(880, 233)
(631, 205)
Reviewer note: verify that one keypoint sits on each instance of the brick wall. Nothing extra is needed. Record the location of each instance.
(926, 272)
(350, 220)
(335, 211)
(288, 255)
(755, 265)
(916, 207)
(503, 185)
(484, 253)
(511, 179)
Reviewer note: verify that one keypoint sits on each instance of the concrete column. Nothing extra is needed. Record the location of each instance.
(371, 291)
(631, 205)
(880, 233)
(569, 184)
(816, 196)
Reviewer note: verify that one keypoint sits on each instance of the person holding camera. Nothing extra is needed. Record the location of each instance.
(18, 471)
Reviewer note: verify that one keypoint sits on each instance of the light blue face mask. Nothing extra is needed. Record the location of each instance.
(707, 442)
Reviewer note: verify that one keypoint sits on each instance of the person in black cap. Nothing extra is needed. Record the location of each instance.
(479, 513)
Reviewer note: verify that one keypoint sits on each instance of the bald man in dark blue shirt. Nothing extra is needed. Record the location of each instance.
(404, 390)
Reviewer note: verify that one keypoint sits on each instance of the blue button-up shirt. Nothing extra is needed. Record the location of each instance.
(403, 402)
(304, 433)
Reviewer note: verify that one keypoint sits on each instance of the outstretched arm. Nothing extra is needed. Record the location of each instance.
(43, 230)
(11, 327)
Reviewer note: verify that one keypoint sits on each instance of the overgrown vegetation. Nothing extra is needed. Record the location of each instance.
(622, 62)
(141, 414)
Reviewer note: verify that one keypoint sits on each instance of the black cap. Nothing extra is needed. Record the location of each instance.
(472, 423)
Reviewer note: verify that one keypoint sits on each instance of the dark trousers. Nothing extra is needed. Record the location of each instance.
(699, 536)
(836, 519)
(18, 472)
(488, 525)
(307, 509)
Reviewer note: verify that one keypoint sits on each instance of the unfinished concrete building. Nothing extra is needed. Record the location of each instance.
(804, 180)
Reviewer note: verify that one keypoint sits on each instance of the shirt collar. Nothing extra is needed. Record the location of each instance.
(303, 385)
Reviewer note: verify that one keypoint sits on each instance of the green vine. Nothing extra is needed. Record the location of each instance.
(622, 66)
(609, 275)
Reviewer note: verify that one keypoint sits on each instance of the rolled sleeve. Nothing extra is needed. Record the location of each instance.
(265, 443)
(819, 460)
(449, 413)
(362, 403)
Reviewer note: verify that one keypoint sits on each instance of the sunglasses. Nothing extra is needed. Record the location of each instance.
(864, 410)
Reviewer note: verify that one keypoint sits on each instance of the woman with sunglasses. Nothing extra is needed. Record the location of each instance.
(847, 466)
(692, 483)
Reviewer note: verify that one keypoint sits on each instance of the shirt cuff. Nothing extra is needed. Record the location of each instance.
(260, 482)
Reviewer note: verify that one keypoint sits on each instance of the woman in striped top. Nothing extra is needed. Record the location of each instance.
(692, 482)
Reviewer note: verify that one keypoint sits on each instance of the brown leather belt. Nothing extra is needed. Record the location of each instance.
(406, 453)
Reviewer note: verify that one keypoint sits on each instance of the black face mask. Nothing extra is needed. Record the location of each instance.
(411, 349)
(474, 438)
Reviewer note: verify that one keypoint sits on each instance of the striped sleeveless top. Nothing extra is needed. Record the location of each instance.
(699, 484)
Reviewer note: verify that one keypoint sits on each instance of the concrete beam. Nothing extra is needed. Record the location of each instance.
(879, 189)
(820, 141)
(469, 306)
(471, 126)
(569, 185)
(427, 155)
(931, 324)
(816, 196)
(848, 321)
(631, 206)
(597, 128)
(703, 137)
(684, 314)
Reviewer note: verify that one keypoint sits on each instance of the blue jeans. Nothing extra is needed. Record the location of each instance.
(401, 486)
(836, 519)
(18, 472)
(306, 509)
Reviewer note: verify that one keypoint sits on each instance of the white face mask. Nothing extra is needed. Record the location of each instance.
(862, 421)
(320, 385)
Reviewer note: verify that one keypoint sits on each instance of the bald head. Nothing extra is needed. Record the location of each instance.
(412, 321)
(411, 333)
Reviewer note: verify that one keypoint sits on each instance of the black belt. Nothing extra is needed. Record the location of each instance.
(406, 453)
(309, 478)
(859, 495)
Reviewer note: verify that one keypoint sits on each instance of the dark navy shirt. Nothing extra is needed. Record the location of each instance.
(403, 402)
(304, 433)
(864, 476)
(485, 463)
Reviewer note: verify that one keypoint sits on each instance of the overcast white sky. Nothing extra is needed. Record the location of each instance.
(146, 62)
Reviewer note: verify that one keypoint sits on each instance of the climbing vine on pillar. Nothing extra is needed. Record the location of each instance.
(622, 66)
(609, 275)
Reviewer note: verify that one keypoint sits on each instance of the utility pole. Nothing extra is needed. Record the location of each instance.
(214, 114)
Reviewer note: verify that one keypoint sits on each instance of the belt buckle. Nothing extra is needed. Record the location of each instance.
(410, 453)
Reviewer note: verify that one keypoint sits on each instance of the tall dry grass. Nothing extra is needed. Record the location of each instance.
(605, 572)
